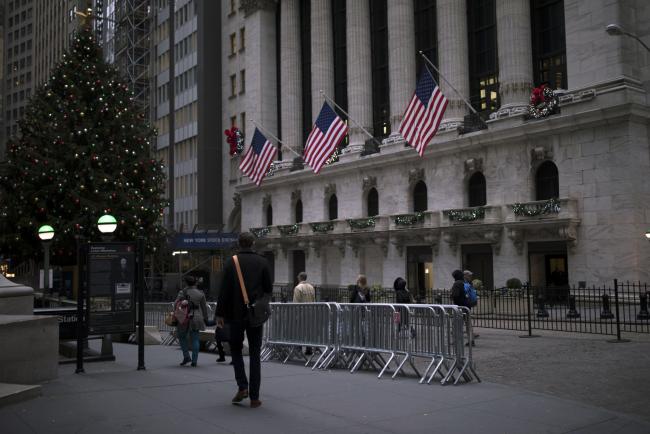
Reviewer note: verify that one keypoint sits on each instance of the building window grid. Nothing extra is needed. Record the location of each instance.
(379, 57)
(549, 43)
(483, 55)
(426, 38)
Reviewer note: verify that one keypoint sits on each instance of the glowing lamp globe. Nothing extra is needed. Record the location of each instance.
(107, 224)
(46, 232)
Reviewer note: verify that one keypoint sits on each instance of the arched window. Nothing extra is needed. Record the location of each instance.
(269, 215)
(299, 211)
(333, 207)
(476, 189)
(420, 197)
(373, 202)
(547, 184)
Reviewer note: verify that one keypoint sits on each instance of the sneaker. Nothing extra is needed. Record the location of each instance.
(255, 403)
(193, 364)
(186, 361)
(241, 395)
(221, 359)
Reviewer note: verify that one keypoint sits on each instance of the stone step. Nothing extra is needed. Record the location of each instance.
(13, 393)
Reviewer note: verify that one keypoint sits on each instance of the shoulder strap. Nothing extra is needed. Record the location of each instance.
(242, 285)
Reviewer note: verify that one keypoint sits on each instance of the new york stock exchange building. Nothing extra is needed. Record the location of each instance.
(547, 186)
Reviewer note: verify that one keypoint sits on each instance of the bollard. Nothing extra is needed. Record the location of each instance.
(541, 309)
(643, 313)
(572, 313)
(606, 312)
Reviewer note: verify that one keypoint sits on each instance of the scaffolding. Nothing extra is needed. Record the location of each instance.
(125, 33)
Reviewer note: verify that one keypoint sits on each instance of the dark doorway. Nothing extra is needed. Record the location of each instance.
(270, 258)
(373, 203)
(333, 207)
(420, 197)
(298, 265)
(548, 270)
(299, 211)
(477, 258)
(419, 270)
(547, 185)
(476, 190)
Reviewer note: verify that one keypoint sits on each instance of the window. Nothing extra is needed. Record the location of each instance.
(269, 215)
(477, 190)
(340, 57)
(333, 207)
(242, 81)
(483, 55)
(242, 123)
(233, 44)
(305, 56)
(425, 33)
(373, 202)
(420, 197)
(549, 43)
(233, 7)
(242, 39)
(547, 185)
(380, 89)
(233, 86)
(298, 211)
(233, 121)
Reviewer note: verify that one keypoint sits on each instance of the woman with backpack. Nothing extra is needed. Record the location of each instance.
(191, 311)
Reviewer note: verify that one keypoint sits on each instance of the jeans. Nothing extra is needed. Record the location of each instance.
(254, 335)
(194, 339)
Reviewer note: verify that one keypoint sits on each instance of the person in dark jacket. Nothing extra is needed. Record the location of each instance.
(232, 310)
(360, 293)
(402, 294)
(458, 289)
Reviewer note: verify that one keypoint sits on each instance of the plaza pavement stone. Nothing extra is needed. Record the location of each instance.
(113, 397)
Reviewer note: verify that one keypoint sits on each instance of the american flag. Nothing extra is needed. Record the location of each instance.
(424, 113)
(328, 131)
(257, 160)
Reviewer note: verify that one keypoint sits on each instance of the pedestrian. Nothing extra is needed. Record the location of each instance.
(458, 289)
(402, 294)
(304, 293)
(231, 309)
(192, 300)
(470, 290)
(360, 292)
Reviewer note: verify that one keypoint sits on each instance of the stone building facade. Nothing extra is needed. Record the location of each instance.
(557, 200)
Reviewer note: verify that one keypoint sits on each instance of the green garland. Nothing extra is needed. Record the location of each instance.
(551, 206)
(466, 215)
(289, 229)
(260, 232)
(322, 228)
(363, 223)
(409, 219)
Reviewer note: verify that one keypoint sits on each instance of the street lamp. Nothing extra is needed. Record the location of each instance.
(180, 254)
(107, 224)
(617, 30)
(46, 233)
(647, 234)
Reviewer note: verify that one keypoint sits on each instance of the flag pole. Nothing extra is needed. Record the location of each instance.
(450, 85)
(273, 137)
(327, 98)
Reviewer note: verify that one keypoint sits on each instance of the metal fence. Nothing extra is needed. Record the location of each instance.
(607, 310)
(379, 336)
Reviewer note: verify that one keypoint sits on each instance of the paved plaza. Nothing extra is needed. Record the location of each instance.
(112, 397)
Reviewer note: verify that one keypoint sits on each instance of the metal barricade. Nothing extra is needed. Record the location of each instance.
(376, 336)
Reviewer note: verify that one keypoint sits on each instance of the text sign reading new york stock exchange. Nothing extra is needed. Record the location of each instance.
(205, 241)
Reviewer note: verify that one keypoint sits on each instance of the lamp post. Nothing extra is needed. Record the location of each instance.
(617, 30)
(180, 254)
(46, 233)
(107, 225)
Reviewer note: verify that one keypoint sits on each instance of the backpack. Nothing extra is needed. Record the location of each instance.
(470, 294)
(183, 311)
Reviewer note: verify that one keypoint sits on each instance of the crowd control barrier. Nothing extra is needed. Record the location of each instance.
(383, 337)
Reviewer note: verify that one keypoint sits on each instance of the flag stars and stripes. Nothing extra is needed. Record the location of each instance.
(259, 157)
(329, 129)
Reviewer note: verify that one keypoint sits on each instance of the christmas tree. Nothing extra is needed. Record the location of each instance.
(83, 151)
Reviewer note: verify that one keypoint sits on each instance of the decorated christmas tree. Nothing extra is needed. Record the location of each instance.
(83, 151)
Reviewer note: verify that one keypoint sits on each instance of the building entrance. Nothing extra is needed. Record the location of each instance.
(419, 270)
(297, 265)
(477, 258)
(548, 265)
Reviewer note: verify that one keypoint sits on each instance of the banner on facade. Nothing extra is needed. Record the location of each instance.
(205, 241)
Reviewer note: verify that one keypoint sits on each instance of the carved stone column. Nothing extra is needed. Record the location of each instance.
(401, 55)
(359, 69)
(452, 55)
(290, 77)
(322, 54)
(514, 42)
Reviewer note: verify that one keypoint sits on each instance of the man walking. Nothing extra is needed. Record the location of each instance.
(304, 293)
(231, 309)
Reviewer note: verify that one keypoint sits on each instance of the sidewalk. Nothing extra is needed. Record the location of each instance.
(112, 397)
